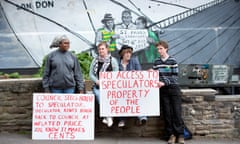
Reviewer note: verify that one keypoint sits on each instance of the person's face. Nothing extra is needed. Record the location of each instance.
(109, 24)
(102, 51)
(127, 55)
(140, 24)
(162, 50)
(64, 45)
(126, 18)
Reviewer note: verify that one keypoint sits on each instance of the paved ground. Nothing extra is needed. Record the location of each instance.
(6, 138)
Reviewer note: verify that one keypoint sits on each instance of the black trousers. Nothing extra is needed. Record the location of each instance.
(171, 108)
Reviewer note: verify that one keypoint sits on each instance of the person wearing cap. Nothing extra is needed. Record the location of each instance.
(62, 72)
(107, 33)
(102, 63)
(129, 63)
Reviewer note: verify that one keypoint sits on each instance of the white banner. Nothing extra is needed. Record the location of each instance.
(129, 93)
(137, 39)
(63, 116)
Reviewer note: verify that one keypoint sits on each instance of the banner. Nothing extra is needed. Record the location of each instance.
(129, 93)
(63, 116)
(137, 39)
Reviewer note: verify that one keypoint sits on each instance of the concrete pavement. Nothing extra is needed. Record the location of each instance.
(10, 138)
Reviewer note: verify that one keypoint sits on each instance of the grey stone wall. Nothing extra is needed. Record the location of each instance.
(16, 104)
(211, 115)
(204, 112)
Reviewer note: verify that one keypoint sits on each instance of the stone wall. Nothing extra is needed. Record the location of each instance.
(204, 112)
(16, 104)
(207, 114)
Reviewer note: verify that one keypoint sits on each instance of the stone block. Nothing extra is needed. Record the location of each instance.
(209, 98)
(1, 110)
(16, 110)
(24, 122)
(8, 103)
(24, 102)
(187, 99)
(224, 115)
(198, 99)
(197, 122)
(209, 116)
(22, 116)
(208, 112)
(223, 126)
(237, 124)
(88, 85)
(227, 98)
(223, 110)
(221, 131)
(7, 116)
(202, 132)
(212, 122)
(202, 92)
(201, 127)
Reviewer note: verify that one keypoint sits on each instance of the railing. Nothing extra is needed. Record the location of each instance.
(176, 18)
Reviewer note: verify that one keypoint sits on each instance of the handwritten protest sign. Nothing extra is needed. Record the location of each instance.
(129, 93)
(63, 116)
(137, 39)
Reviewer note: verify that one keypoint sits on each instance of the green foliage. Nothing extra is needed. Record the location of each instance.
(11, 75)
(4, 75)
(85, 60)
(41, 69)
(14, 75)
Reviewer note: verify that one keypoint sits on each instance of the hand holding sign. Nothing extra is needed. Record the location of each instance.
(160, 84)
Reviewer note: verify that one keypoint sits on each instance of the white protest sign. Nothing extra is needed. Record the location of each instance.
(220, 73)
(129, 93)
(137, 39)
(63, 116)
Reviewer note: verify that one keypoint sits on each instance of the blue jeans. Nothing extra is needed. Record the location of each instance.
(96, 92)
(69, 90)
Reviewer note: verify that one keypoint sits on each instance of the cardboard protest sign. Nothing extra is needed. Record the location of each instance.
(129, 93)
(63, 116)
(137, 39)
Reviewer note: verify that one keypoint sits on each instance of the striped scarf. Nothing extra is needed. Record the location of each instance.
(106, 62)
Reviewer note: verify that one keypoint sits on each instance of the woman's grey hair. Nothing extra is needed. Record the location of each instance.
(56, 41)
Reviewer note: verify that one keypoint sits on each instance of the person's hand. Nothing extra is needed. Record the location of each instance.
(150, 69)
(160, 84)
(81, 92)
(97, 82)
